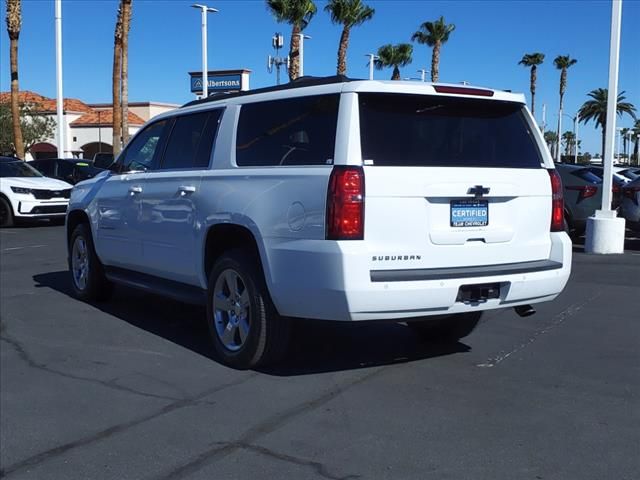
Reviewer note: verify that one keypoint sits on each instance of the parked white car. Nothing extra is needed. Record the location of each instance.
(26, 194)
(329, 199)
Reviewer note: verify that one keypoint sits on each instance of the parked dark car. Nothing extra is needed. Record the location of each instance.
(71, 170)
(103, 160)
(630, 208)
(619, 181)
(630, 172)
(582, 196)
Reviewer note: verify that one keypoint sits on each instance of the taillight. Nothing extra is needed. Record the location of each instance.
(345, 204)
(557, 203)
(586, 191)
(631, 193)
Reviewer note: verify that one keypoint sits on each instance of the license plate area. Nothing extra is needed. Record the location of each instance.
(469, 213)
(478, 293)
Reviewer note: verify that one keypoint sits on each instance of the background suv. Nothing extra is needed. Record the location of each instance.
(26, 194)
(329, 199)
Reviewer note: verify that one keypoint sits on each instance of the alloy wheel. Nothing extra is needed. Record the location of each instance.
(231, 310)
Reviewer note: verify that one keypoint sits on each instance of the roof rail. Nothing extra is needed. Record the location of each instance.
(306, 81)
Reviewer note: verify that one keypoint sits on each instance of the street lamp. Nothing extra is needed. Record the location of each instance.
(372, 58)
(302, 36)
(423, 74)
(205, 80)
(575, 135)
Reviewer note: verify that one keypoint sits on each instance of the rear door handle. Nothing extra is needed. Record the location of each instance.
(185, 189)
(135, 190)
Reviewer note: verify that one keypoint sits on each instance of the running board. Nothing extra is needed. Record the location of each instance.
(158, 286)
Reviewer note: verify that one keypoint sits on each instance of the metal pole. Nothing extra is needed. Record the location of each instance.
(559, 144)
(575, 133)
(544, 117)
(301, 54)
(372, 57)
(612, 95)
(60, 99)
(205, 68)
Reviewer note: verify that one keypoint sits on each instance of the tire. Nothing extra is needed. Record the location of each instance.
(245, 328)
(447, 328)
(88, 280)
(6, 213)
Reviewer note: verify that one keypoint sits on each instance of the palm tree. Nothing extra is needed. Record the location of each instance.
(569, 141)
(394, 56)
(348, 13)
(434, 34)
(14, 22)
(126, 24)
(596, 109)
(116, 82)
(297, 13)
(636, 135)
(532, 60)
(563, 63)
(551, 139)
(624, 133)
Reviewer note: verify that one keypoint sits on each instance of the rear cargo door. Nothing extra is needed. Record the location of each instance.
(452, 182)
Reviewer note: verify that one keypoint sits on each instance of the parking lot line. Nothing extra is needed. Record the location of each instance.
(25, 246)
(555, 322)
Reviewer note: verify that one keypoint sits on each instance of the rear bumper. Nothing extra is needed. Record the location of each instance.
(333, 292)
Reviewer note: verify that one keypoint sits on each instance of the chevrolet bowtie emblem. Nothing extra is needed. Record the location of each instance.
(478, 191)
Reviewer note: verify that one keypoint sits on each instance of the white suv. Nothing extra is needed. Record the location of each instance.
(26, 194)
(329, 199)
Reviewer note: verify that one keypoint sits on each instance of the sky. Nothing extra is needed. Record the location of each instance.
(489, 40)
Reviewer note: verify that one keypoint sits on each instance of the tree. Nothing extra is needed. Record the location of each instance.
(636, 136)
(348, 13)
(126, 24)
(434, 34)
(569, 142)
(563, 63)
(116, 83)
(596, 109)
(35, 127)
(298, 14)
(551, 139)
(14, 22)
(394, 56)
(624, 133)
(532, 60)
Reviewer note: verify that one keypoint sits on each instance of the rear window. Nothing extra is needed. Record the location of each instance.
(587, 175)
(435, 131)
(293, 131)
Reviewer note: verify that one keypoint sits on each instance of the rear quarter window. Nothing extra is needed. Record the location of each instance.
(293, 131)
(429, 130)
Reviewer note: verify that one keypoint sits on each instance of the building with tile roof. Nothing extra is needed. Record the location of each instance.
(87, 127)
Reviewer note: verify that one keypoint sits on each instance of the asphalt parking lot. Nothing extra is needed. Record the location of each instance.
(129, 390)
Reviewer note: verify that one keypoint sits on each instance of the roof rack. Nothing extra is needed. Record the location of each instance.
(306, 81)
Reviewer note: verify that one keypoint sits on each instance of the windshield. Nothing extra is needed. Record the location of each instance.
(18, 169)
(423, 130)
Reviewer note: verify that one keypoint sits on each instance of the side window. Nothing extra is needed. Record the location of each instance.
(294, 131)
(65, 170)
(191, 141)
(142, 152)
(45, 167)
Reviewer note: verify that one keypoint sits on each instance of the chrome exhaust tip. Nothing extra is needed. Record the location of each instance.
(525, 310)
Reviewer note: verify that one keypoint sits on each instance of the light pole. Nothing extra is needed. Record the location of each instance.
(423, 74)
(605, 231)
(205, 80)
(302, 36)
(372, 58)
(59, 97)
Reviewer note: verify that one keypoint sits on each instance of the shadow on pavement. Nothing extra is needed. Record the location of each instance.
(316, 346)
